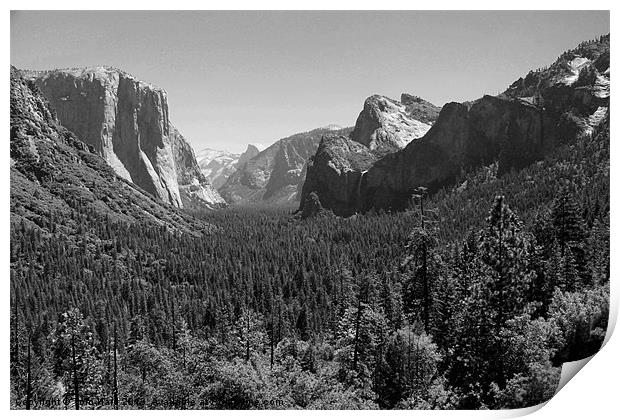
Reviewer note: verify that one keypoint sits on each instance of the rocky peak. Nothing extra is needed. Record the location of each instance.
(127, 122)
(589, 57)
(251, 151)
(385, 124)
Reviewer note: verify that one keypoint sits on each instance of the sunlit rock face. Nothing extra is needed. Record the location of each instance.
(386, 123)
(127, 122)
(54, 175)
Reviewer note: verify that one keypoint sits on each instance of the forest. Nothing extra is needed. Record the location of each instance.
(472, 298)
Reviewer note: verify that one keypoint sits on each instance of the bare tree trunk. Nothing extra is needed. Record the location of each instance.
(115, 384)
(279, 320)
(76, 389)
(271, 336)
(247, 336)
(174, 332)
(28, 383)
(16, 336)
(357, 332)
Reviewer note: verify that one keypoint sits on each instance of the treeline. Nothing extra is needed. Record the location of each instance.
(452, 306)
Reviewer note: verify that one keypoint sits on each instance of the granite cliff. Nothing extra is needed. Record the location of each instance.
(386, 124)
(55, 177)
(127, 122)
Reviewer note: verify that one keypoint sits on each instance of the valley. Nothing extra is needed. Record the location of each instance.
(427, 257)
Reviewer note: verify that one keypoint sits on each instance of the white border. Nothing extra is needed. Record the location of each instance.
(592, 395)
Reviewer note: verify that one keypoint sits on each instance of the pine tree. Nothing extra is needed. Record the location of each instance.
(505, 248)
(76, 358)
(566, 219)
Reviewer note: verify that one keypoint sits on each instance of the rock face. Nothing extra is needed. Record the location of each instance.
(127, 123)
(218, 165)
(461, 139)
(336, 174)
(388, 124)
(195, 190)
(54, 175)
(534, 116)
(276, 174)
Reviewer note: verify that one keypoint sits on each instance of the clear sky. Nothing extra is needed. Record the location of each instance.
(254, 77)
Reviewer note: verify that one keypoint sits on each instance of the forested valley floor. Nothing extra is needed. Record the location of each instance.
(473, 298)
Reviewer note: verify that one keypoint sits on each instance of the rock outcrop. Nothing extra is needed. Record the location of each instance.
(127, 123)
(388, 124)
(250, 152)
(336, 174)
(54, 176)
(277, 173)
(533, 117)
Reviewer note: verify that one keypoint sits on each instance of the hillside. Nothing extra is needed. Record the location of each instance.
(57, 180)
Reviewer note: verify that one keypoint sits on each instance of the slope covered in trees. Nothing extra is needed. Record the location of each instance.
(475, 304)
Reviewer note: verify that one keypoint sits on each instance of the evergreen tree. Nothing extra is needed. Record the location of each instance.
(506, 249)
(76, 361)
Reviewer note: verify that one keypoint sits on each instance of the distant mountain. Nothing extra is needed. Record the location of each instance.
(127, 123)
(566, 101)
(333, 127)
(218, 165)
(276, 174)
(55, 177)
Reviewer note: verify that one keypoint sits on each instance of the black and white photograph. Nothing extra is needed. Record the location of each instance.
(305, 209)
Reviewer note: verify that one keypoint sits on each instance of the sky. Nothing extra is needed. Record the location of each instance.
(235, 78)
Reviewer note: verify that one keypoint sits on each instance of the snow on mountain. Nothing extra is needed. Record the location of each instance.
(218, 165)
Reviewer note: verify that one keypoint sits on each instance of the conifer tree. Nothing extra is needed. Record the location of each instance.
(76, 359)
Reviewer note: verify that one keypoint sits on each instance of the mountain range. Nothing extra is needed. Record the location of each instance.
(275, 174)
(394, 147)
(536, 114)
(218, 165)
